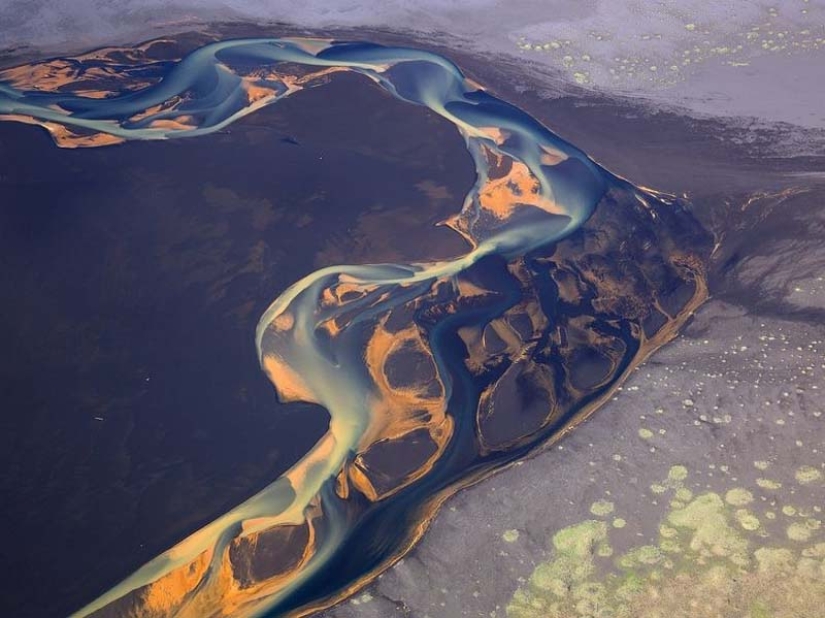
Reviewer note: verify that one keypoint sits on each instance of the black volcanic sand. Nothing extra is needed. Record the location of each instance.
(133, 276)
(720, 434)
(658, 150)
(766, 287)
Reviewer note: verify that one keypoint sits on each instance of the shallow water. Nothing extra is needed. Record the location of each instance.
(453, 367)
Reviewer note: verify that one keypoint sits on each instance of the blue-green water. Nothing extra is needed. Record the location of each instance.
(327, 339)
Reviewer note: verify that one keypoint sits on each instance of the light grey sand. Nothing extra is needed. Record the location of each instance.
(735, 404)
(750, 58)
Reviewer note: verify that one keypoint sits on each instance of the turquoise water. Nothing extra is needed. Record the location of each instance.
(324, 340)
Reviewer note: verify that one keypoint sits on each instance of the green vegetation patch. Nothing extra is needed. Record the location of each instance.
(713, 557)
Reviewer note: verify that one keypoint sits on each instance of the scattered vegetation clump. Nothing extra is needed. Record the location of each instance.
(713, 558)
